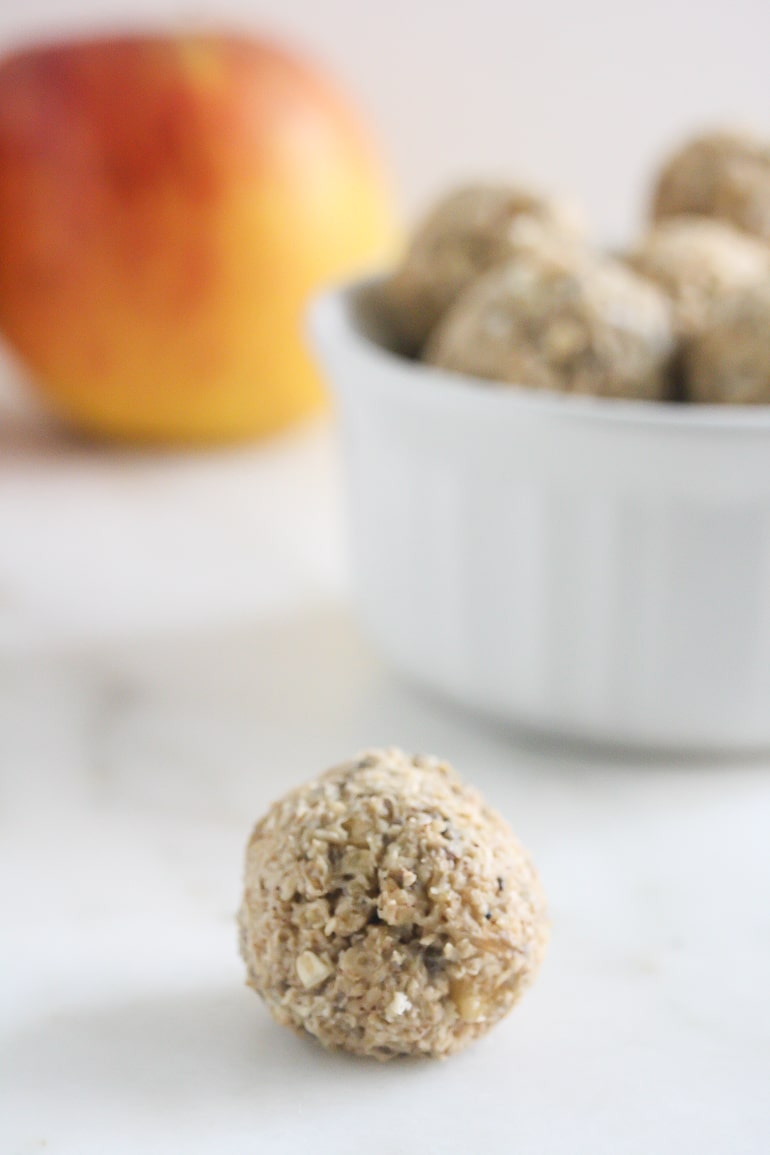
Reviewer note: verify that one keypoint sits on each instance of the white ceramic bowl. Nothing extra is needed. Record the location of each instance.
(592, 567)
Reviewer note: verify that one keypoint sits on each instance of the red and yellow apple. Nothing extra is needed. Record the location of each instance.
(166, 207)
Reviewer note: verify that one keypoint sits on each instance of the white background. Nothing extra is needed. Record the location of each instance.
(580, 96)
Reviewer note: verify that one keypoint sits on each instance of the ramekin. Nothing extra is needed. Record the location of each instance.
(594, 568)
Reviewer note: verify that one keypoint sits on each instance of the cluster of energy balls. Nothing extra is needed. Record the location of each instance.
(388, 910)
(500, 282)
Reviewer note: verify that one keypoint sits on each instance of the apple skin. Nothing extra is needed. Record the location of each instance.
(167, 204)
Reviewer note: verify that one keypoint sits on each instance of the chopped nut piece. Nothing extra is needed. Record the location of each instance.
(398, 1005)
(311, 969)
(469, 1006)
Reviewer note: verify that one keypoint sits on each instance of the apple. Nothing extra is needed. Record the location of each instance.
(167, 204)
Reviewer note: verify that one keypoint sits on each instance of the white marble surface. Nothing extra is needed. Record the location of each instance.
(175, 650)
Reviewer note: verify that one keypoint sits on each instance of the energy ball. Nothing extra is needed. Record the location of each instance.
(698, 261)
(721, 174)
(468, 232)
(584, 326)
(388, 911)
(729, 362)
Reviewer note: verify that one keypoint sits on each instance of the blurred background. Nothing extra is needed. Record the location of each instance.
(581, 98)
(177, 648)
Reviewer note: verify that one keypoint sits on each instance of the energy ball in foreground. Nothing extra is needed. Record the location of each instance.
(720, 174)
(729, 362)
(388, 910)
(469, 231)
(588, 326)
(698, 262)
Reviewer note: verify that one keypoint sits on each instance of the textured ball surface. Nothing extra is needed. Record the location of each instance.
(720, 174)
(698, 262)
(729, 362)
(575, 326)
(388, 911)
(469, 231)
